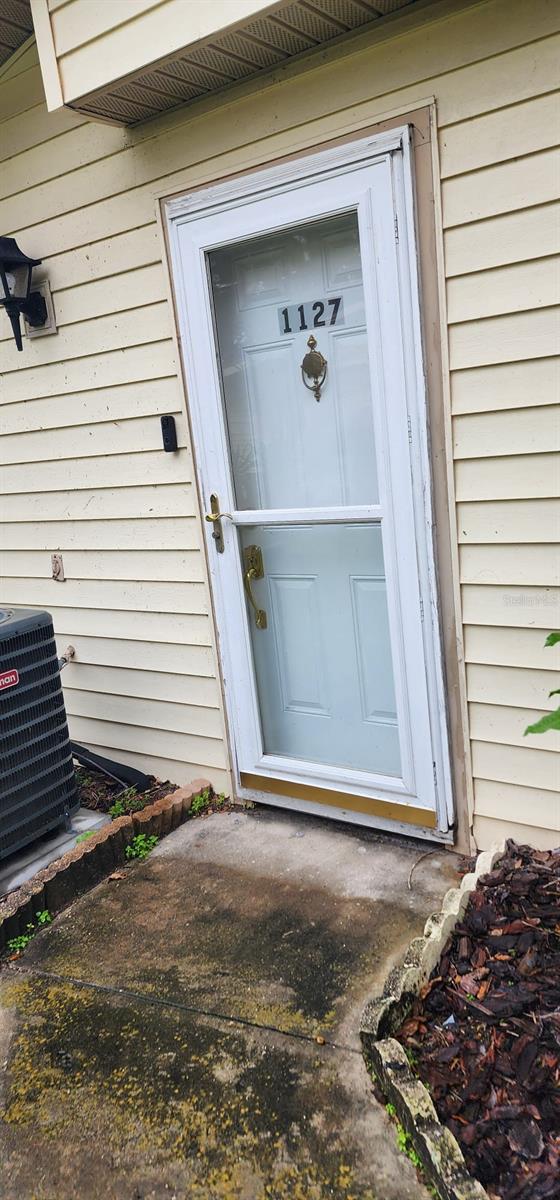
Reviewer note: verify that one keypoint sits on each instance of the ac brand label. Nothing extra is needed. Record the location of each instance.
(8, 679)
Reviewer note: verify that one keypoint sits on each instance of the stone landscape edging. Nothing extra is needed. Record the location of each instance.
(92, 860)
(437, 1148)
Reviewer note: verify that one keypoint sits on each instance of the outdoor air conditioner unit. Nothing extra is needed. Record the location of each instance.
(37, 783)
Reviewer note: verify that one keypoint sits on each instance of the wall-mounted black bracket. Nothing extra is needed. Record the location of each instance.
(35, 310)
(168, 433)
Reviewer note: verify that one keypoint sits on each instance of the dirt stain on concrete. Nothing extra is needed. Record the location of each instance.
(230, 942)
(126, 1097)
(135, 1101)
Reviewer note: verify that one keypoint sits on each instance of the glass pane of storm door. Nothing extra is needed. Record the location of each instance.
(323, 662)
(289, 450)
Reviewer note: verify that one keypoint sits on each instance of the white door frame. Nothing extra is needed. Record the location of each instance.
(334, 180)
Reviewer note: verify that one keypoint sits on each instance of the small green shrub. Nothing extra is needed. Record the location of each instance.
(127, 802)
(551, 720)
(83, 837)
(404, 1144)
(82, 777)
(201, 802)
(141, 845)
(17, 944)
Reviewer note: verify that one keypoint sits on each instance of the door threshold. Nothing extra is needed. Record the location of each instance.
(361, 807)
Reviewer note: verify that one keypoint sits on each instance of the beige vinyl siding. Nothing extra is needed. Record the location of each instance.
(86, 475)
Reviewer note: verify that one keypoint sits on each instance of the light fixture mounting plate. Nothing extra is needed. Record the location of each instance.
(43, 287)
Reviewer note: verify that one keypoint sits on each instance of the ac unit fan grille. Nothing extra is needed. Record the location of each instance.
(38, 749)
(37, 780)
(58, 771)
(34, 820)
(23, 719)
(27, 639)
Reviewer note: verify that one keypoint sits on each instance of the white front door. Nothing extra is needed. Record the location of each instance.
(301, 356)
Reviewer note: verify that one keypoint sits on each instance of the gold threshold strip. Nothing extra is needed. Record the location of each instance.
(390, 810)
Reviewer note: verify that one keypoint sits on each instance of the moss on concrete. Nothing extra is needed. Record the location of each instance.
(131, 1096)
(281, 956)
(217, 1113)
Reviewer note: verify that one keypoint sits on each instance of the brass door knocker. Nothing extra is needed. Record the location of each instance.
(314, 366)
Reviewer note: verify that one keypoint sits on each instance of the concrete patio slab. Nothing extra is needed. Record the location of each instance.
(162, 1035)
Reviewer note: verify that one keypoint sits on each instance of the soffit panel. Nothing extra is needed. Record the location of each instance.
(15, 26)
(262, 43)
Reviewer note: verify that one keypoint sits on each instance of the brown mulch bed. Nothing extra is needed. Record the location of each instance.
(99, 792)
(484, 1035)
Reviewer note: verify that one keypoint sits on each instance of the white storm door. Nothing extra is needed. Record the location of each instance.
(315, 570)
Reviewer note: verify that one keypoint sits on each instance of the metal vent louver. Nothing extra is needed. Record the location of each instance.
(16, 26)
(37, 782)
(257, 45)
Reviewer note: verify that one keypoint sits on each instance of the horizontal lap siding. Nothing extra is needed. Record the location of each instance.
(503, 289)
(84, 472)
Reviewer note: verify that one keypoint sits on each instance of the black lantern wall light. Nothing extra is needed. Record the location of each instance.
(16, 295)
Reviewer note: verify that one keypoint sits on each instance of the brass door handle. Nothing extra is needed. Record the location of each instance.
(254, 569)
(216, 517)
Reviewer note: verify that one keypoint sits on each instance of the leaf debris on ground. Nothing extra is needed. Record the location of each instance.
(484, 1034)
(99, 792)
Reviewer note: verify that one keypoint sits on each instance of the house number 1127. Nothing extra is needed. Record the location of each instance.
(313, 314)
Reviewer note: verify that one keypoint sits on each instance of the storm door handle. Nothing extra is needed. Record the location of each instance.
(254, 569)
